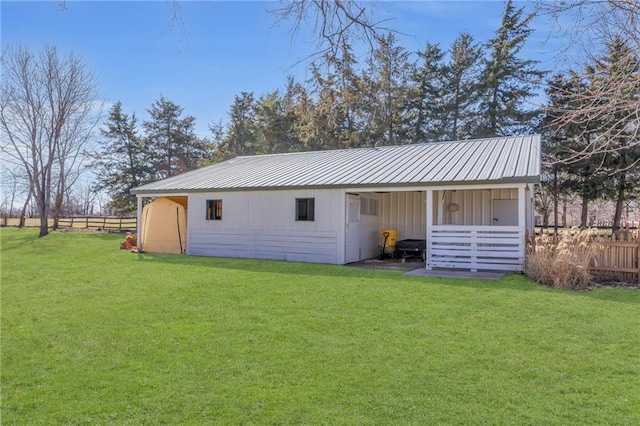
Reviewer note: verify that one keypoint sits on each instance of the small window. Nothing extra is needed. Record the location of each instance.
(305, 209)
(368, 206)
(364, 205)
(214, 209)
(373, 207)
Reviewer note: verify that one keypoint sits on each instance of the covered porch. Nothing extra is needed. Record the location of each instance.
(478, 228)
(472, 228)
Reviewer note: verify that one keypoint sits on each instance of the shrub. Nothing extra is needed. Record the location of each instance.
(564, 264)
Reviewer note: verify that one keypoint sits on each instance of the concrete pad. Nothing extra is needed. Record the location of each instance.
(457, 273)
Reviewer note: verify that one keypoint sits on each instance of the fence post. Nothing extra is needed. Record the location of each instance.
(120, 225)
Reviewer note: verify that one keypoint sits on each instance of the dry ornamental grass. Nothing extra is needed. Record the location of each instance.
(565, 264)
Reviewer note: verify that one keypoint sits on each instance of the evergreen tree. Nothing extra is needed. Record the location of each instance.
(461, 90)
(424, 98)
(350, 102)
(564, 139)
(325, 115)
(302, 107)
(508, 81)
(622, 156)
(172, 140)
(598, 152)
(123, 162)
(386, 94)
(242, 136)
(275, 124)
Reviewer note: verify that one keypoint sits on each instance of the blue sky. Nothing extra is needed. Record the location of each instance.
(215, 50)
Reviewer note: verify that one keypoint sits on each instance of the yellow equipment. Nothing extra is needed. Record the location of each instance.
(389, 240)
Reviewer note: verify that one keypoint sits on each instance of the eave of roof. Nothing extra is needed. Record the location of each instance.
(528, 179)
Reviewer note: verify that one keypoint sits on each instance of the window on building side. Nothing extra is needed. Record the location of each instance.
(373, 207)
(214, 209)
(364, 205)
(305, 209)
(368, 206)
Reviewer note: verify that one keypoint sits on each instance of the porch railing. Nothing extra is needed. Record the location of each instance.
(475, 247)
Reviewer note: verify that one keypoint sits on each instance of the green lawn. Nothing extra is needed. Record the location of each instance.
(92, 334)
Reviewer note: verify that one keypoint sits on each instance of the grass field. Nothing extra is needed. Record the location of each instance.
(95, 335)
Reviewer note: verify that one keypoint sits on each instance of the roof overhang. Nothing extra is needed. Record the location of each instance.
(352, 187)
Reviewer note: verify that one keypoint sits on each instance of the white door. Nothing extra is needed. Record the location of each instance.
(505, 212)
(352, 249)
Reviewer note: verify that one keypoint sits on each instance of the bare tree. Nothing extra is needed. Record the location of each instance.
(15, 187)
(47, 114)
(614, 91)
(336, 23)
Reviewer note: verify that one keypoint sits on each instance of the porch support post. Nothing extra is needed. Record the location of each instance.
(429, 225)
(522, 224)
(139, 222)
(439, 204)
(531, 217)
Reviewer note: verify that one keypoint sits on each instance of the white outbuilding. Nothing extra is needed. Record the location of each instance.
(471, 201)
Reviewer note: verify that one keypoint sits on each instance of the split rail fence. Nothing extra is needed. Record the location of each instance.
(616, 256)
(119, 224)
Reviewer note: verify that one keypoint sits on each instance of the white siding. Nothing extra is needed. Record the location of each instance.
(474, 206)
(262, 225)
(404, 211)
(475, 247)
(467, 238)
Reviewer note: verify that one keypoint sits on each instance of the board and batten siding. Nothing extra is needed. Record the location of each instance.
(474, 206)
(404, 211)
(262, 225)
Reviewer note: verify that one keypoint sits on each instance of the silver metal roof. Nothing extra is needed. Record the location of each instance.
(504, 159)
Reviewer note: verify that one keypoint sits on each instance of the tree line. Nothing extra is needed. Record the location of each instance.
(593, 153)
(469, 90)
(49, 112)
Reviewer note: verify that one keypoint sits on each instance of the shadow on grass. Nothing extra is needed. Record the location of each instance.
(270, 266)
(19, 238)
(26, 242)
(513, 281)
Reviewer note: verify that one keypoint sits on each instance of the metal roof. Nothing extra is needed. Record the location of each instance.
(503, 159)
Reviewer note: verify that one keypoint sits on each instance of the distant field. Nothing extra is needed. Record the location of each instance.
(94, 335)
(29, 222)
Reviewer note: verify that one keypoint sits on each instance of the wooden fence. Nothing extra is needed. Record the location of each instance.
(616, 256)
(119, 224)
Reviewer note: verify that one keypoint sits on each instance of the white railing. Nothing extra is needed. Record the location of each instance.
(475, 247)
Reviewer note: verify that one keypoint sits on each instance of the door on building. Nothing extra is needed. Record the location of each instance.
(505, 212)
(352, 249)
